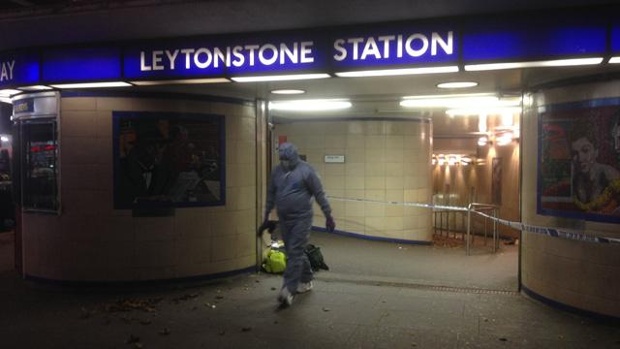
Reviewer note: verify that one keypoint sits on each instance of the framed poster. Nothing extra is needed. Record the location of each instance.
(167, 160)
(579, 160)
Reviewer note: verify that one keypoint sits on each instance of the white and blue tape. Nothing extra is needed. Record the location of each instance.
(554, 232)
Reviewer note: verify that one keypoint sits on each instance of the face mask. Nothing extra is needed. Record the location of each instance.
(286, 165)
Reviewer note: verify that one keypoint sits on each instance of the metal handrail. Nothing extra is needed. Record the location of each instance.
(476, 207)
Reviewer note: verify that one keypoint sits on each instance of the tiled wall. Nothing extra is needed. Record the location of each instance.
(583, 275)
(385, 160)
(91, 241)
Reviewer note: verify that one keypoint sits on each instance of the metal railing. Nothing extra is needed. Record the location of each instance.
(478, 208)
(446, 220)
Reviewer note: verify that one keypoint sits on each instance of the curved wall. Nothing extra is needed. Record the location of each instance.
(92, 241)
(385, 160)
(575, 274)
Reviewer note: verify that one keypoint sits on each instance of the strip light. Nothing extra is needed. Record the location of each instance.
(280, 77)
(288, 91)
(535, 64)
(180, 82)
(34, 88)
(8, 92)
(392, 72)
(457, 84)
(449, 101)
(310, 105)
(614, 60)
(94, 84)
(481, 109)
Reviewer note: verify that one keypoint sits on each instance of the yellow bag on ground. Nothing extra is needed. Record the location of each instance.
(275, 262)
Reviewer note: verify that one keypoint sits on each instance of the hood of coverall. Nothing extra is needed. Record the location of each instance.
(289, 157)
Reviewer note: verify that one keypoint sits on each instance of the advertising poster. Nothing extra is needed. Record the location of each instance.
(579, 161)
(168, 160)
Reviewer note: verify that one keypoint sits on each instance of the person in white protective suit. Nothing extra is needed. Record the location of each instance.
(292, 187)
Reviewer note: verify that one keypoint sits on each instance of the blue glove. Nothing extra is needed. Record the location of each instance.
(330, 224)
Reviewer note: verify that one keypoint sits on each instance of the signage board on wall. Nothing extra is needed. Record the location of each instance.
(615, 39)
(338, 159)
(225, 56)
(407, 44)
(81, 64)
(36, 105)
(535, 39)
(394, 46)
(19, 69)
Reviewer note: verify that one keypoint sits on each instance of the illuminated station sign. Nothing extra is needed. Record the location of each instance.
(389, 46)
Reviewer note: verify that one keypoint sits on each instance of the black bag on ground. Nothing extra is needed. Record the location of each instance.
(316, 257)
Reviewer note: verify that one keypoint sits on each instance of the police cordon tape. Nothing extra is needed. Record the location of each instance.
(554, 232)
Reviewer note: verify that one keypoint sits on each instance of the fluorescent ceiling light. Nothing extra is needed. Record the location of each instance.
(280, 77)
(94, 84)
(180, 82)
(310, 105)
(288, 91)
(614, 59)
(491, 110)
(536, 64)
(457, 84)
(393, 72)
(449, 101)
(7, 92)
(6, 100)
(35, 88)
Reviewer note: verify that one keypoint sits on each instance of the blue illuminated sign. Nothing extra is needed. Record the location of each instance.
(615, 39)
(19, 69)
(221, 56)
(534, 39)
(327, 50)
(405, 45)
(81, 64)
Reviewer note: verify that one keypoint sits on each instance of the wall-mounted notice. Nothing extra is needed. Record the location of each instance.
(338, 159)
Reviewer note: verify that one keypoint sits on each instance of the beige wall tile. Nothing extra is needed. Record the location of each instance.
(375, 195)
(81, 103)
(374, 168)
(79, 123)
(333, 170)
(335, 141)
(123, 246)
(355, 128)
(355, 169)
(356, 155)
(355, 183)
(224, 248)
(394, 183)
(374, 182)
(152, 253)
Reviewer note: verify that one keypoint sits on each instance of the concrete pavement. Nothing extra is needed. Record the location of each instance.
(346, 309)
